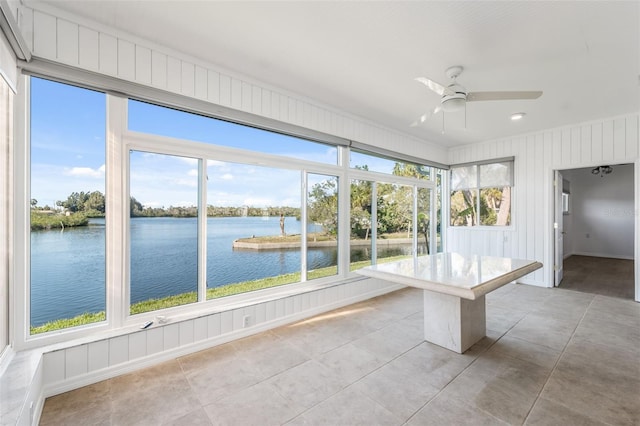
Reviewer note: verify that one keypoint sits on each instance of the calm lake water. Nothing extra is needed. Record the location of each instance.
(68, 270)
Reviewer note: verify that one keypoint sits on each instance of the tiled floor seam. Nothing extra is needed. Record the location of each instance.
(349, 385)
(457, 375)
(555, 365)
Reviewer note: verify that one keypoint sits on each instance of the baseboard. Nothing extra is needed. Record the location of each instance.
(606, 255)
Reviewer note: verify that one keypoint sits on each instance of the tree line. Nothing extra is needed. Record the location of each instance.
(92, 204)
(394, 206)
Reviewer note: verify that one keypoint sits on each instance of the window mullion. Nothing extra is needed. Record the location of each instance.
(117, 209)
(202, 229)
(304, 196)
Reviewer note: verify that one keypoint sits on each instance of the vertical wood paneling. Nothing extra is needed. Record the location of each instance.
(76, 361)
(566, 146)
(631, 137)
(225, 90)
(556, 147)
(174, 74)
(577, 146)
(214, 325)
(54, 366)
(118, 350)
(108, 54)
(171, 336)
(200, 329)
(270, 311)
(158, 69)
(26, 26)
(188, 82)
(261, 313)
(201, 83)
(246, 91)
(88, 49)
(98, 354)
(155, 340)
(275, 105)
(607, 141)
(619, 142)
(284, 108)
(143, 65)
(213, 86)
(238, 316)
(288, 306)
(265, 102)
(574, 155)
(226, 322)
(67, 42)
(44, 35)
(186, 332)
(585, 145)
(236, 93)
(256, 100)
(279, 308)
(126, 60)
(596, 143)
(137, 345)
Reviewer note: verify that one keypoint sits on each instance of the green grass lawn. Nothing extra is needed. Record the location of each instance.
(212, 293)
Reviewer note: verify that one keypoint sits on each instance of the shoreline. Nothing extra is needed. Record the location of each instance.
(244, 244)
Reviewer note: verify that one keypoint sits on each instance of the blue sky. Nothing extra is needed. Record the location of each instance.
(68, 153)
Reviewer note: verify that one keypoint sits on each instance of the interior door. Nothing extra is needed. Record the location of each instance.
(558, 229)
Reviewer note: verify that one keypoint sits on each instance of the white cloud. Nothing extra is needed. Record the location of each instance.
(192, 172)
(85, 172)
(227, 176)
(191, 183)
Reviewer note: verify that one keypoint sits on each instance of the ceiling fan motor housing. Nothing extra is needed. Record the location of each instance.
(455, 101)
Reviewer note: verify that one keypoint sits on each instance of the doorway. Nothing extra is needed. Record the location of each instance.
(595, 230)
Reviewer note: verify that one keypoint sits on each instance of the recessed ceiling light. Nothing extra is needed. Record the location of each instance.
(517, 116)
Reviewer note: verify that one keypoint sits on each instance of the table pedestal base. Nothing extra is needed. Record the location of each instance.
(453, 322)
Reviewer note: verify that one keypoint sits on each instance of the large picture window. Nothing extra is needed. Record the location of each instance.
(199, 211)
(163, 231)
(481, 194)
(67, 206)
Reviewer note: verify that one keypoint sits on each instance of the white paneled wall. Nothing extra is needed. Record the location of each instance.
(79, 364)
(89, 46)
(610, 141)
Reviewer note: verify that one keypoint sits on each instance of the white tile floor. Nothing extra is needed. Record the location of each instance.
(551, 357)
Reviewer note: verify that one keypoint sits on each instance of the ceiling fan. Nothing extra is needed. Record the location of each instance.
(455, 97)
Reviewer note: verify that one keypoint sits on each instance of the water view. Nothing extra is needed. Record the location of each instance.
(68, 271)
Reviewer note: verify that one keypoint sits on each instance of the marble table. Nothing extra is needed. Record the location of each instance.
(454, 291)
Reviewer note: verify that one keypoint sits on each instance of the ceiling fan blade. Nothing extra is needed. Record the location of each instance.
(502, 96)
(424, 117)
(436, 87)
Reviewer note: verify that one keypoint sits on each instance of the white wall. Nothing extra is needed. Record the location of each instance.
(602, 213)
(607, 141)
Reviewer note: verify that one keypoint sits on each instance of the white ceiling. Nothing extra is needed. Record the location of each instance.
(362, 57)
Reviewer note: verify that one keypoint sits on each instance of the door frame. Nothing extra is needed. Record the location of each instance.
(551, 218)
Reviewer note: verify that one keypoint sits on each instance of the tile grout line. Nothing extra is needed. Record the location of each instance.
(555, 365)
(461, 372)
(358, 380)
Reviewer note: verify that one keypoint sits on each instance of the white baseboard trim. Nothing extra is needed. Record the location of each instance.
(606, 255)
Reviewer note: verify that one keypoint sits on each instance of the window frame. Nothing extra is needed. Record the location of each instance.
(119, 142)
(477, 190)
